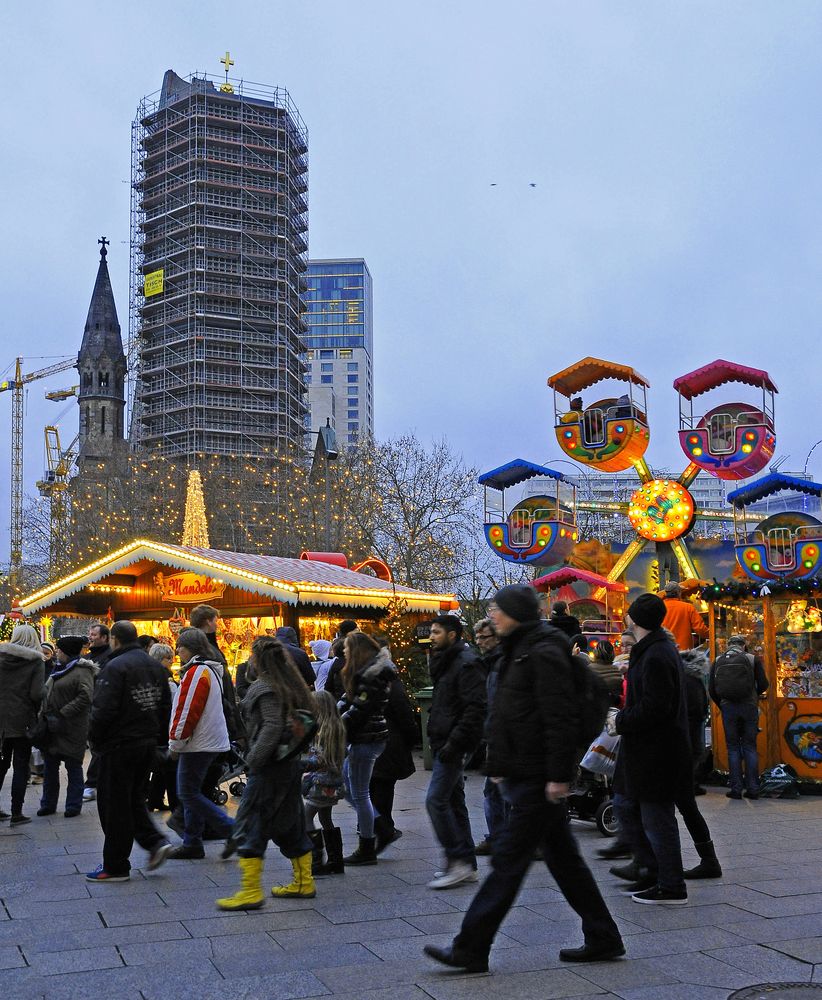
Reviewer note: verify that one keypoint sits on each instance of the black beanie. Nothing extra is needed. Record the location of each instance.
(648, 611)
(519, 601)
(72, 645)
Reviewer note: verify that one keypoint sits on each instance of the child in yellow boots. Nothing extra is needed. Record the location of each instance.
(271, 807)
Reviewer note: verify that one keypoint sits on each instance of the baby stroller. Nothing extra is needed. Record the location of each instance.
(230, 769)
(592, 799)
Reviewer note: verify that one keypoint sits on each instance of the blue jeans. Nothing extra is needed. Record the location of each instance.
(51, 782)
(740, 723)
(445, 802)
(651, 830)
(198, 808)
(495, 807)
(357, 771)
(534, 822)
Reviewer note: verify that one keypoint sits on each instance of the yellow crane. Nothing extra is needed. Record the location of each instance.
(53, 486)
(16, 387)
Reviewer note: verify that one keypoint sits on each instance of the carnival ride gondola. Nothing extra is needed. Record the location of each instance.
(786, 545)
(731, 440)
(540, 529)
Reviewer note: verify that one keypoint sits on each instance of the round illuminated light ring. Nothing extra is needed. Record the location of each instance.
(661, 510)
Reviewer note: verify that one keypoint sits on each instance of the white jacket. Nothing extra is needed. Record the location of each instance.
(197, 719)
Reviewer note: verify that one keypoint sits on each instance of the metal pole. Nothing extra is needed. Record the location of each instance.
(16, 555)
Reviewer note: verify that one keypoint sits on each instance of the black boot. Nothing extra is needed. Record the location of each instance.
(365, 853)
(333, 848)
(708, 866)
(630, 872)
(386, 833)
(316, 838)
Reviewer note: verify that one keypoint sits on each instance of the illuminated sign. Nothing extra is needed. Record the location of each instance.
(153, 283)
(661, 510)
(188, 588)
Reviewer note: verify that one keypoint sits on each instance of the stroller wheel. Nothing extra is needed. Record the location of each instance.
(237, 788)
(605, 819)
(220, 796)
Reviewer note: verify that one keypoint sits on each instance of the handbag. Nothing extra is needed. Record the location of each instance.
(601, 755)
(39, 734)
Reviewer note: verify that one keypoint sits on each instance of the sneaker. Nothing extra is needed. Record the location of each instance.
(660, 896)
(42, 811)
(71, 813)
(158, 856)
(458, 873)
(593, 952)
(101, 875)
(456, 959)
(733, 795)
(4, 815)
(19, 819)
(36, 779)
(751, 795)
(483, 848)
(186, 852)
(89, 794)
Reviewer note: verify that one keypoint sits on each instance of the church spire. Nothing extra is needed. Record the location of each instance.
(101, 335)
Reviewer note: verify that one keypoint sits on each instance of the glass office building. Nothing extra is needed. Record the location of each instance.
(340, 343)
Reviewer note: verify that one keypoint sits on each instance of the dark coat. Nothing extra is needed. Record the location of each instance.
(333, 681)
(654, 760)
(396, 761)
(567, 624)
(288, 637)
(99, 654)
(21, 688)
(534, 724)
(68, 697)
(132, 702)
(459, 701)
(363, 711)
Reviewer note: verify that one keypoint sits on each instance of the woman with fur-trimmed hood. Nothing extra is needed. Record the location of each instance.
(22, 671)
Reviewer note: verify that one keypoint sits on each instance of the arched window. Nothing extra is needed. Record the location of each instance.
(87, 380)
(102, 380)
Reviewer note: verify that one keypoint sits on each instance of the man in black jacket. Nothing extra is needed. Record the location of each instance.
(566, 623)
(129, 720)
(532, 745)
(99, 650)
(455, 723)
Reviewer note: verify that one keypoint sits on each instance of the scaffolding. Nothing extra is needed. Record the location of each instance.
(219, 205)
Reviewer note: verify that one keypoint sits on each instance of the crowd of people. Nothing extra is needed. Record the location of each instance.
(310, 734)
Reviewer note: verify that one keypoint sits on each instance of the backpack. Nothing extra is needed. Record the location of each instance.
(300, 726)
(734, 676)
(231, 710)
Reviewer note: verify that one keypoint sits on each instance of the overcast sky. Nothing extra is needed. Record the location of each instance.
(675, 148)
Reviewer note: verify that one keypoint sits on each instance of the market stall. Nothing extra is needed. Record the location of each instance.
(156, 584)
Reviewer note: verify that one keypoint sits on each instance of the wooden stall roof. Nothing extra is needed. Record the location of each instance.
(290, 581)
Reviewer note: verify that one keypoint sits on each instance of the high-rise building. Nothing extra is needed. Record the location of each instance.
(340, 342)
(219, 221)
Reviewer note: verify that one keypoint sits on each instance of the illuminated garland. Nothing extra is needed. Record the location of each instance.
(739, 590)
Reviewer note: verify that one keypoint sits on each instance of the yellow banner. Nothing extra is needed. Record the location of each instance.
(153, 283)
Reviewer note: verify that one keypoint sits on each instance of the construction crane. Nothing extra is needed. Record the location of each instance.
(53, 486)
(61, 394)
(16, 387)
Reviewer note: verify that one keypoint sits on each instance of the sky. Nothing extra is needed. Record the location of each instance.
(673, 144)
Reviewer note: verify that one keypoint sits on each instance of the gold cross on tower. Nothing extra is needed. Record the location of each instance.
(227, 61)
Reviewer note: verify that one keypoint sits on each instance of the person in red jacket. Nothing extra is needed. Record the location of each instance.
(682, 618)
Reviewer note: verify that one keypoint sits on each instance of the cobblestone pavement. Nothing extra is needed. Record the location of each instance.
(159, 936)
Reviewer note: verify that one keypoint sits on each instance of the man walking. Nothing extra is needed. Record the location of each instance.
(654, 760)
(455, 723)
(99, 650)
(495, 807)
(737, 681)
(532, 747)
(129, 720)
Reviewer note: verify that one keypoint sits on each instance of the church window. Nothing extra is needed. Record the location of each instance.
(102, 380)
(87, 379)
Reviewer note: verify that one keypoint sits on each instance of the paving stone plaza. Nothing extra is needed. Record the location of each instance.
(160, 937)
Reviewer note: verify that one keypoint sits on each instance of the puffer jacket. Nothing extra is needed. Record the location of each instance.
(22, 671)
(532, 732)
(459, 701)
(363, 711)
(67, 695)
(197, 719)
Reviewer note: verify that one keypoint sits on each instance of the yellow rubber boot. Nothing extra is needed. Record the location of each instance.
(303, 885)
(250, 895)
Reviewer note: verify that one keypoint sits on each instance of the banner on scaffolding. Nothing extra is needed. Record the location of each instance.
(153, 283)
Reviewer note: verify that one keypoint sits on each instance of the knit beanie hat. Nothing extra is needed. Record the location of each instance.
(71, 645)
(26, 635)
(519, 601)
(647, 611)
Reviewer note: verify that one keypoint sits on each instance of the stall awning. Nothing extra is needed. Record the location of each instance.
(591, 370)
(768, 485)
(570, 574)
(290, 581)
(516, 472)
(718, 373)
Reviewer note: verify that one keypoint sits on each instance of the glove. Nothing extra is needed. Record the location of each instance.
(449, 754)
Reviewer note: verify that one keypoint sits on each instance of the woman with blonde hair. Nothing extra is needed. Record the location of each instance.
(22, 673)
(271, 807)
(323, 785)
(366, 679)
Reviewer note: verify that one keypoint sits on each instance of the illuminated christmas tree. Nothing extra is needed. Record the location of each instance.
(195, 524)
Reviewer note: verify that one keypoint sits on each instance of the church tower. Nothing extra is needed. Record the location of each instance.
(102, 365)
